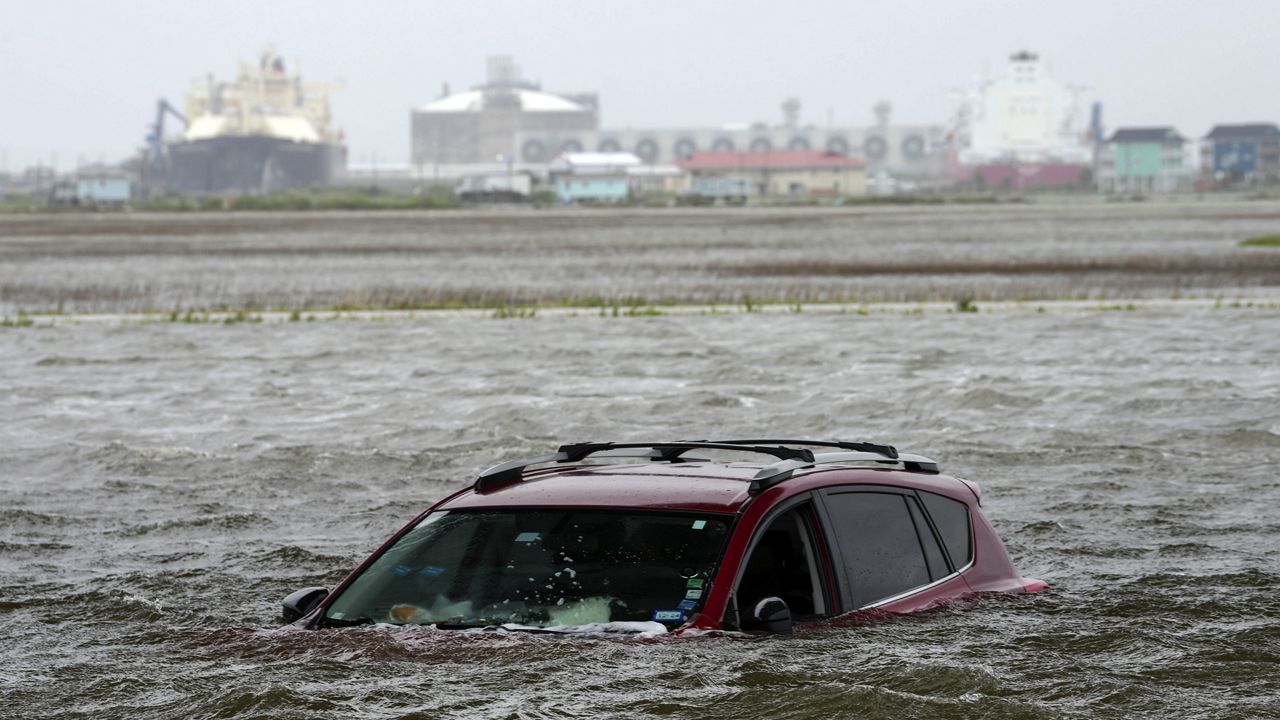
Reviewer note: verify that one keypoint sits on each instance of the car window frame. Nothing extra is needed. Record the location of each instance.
(837, 554)
(823, 548)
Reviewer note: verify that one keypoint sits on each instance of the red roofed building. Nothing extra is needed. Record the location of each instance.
(782, 173)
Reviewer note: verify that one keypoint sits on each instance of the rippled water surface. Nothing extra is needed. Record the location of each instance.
(162, 486)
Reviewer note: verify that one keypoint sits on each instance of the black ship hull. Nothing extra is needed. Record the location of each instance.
(251, 165)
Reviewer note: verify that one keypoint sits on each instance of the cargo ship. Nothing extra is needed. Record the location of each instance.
(264, 132)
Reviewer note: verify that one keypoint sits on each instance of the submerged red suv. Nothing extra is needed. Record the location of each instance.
(597, 542)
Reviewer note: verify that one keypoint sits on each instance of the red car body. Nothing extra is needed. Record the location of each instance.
(816, 494)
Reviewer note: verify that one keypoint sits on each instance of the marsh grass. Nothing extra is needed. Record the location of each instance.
(648, 311)
(22, 320)
(510, 312)
(1241, 265)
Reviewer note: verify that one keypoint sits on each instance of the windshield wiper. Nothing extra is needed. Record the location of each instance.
(507, 626)
(329, 622)
(462, 626)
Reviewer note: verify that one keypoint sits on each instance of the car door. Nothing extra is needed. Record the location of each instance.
(884, 544)
(789, 558)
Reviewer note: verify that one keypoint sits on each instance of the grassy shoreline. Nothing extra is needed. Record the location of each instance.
(301, 202)
(963, 306)
(1262, 241)
(378, 200)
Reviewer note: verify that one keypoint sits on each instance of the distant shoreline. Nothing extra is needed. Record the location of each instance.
(323, 203)
(963, 307)
(73, 222)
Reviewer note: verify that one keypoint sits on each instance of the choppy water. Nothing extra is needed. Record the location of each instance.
(162, 486)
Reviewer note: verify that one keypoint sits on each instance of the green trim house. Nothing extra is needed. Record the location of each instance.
(1144, 160)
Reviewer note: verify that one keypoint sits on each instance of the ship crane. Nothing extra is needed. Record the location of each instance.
(155, 165)
(155, 138)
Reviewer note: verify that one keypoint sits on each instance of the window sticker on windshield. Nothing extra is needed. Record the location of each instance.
(527, 537)
(432, 571)
(686, 604)
(699, 524)
(694, 583)
(401, 569)
(668, 615)
(693, 594)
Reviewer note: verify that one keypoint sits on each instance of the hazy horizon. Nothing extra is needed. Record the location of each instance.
(81, 79)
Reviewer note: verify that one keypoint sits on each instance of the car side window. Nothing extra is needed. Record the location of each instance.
(882, 550)
(951, 517)
(933, 556)
(787, 563)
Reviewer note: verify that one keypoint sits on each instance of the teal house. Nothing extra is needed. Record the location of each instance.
(592, 189)
(1144, 160)
(592, 177)
(102, 190)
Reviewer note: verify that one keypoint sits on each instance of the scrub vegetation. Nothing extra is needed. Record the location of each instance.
(298, 201)
(1262, 241)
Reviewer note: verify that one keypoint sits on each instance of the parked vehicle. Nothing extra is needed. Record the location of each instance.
(678, 542)
(724, 189)
(494, 187)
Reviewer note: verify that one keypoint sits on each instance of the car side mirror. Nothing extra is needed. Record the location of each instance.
(769, 615)
(300, 603)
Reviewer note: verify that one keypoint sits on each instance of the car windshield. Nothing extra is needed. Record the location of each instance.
(539, 568)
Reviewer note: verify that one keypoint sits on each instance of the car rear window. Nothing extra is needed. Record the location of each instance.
(951, 517)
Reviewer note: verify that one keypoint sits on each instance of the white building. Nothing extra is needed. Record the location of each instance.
(1022, 116)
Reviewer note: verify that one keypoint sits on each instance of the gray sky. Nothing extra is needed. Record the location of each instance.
(79, 80)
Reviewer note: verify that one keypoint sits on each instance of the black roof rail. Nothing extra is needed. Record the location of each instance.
(512, 470)
(888, 450)
(782, 470)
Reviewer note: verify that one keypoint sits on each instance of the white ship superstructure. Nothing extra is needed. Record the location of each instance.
(1023, 116)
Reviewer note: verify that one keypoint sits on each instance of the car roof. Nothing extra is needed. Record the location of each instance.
(711, 487)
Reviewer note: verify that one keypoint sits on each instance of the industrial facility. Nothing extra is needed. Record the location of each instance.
(904, 150)
(512, 120)
(480, 125)
(267, 130)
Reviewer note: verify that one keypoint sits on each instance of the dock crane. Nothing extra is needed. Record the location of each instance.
(155, 167)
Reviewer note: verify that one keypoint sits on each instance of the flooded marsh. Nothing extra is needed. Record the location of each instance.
(163, 485)
(230, 261)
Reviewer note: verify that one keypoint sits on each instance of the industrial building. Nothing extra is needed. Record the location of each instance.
(1144, 160)
(480, 126)
(905, 150)
(1242, 154)
(779, 173)
(511, 120)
